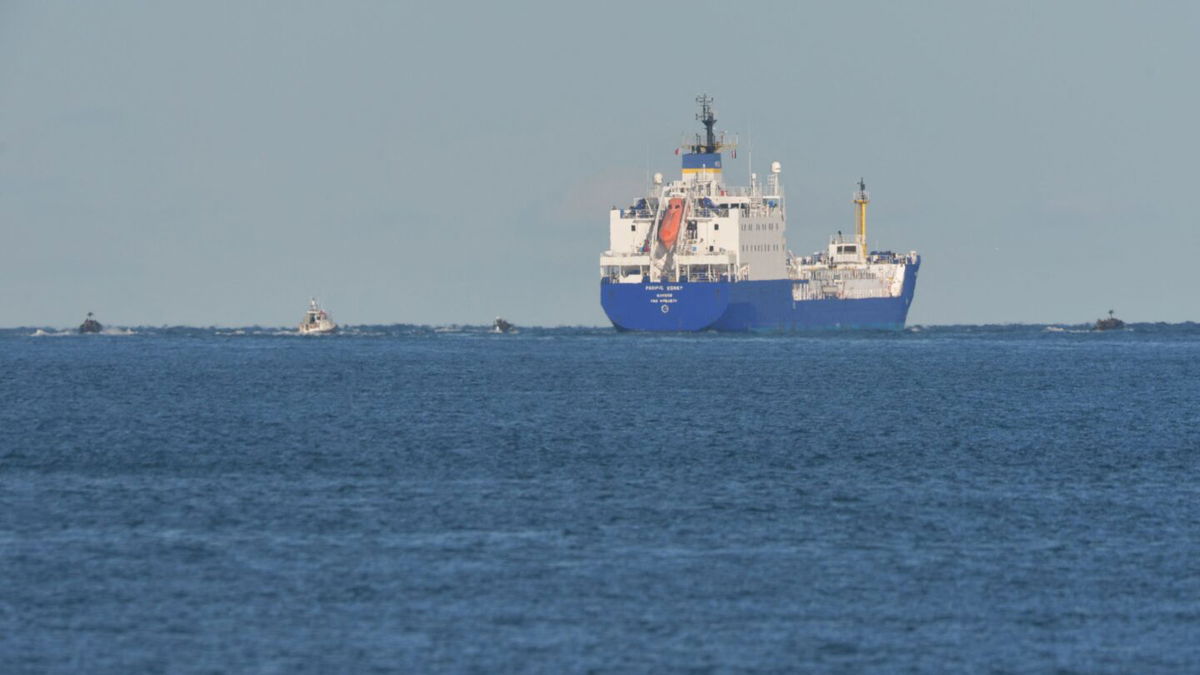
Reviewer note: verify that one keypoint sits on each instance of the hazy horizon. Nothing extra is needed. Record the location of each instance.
(217, 164)
(133, 329)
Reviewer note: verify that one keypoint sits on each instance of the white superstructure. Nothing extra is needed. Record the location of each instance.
(737, 233)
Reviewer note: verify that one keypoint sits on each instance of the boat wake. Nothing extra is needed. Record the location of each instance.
(41, 332)
(1077, 330)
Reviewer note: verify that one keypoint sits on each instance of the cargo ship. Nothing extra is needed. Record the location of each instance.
(696, 254)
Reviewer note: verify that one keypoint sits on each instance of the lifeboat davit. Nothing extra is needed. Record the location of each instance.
(668, 231)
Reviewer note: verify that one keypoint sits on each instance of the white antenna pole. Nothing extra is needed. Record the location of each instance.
(750, 162)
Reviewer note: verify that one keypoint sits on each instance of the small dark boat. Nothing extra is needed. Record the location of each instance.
(1111, 323)
(90, 325)
(501, 326)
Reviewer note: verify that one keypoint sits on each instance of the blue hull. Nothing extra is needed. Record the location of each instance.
(746, 306)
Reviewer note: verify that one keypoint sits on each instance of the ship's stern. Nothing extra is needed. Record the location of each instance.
(664, 306)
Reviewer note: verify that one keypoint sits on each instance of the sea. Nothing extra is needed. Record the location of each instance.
(446, 499)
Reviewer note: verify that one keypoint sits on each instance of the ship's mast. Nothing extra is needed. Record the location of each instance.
(708, 119)
(861, 198)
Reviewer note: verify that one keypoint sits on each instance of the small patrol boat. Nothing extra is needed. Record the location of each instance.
(1111, 323)
(501, 326)
(316, 320)
(90, 325)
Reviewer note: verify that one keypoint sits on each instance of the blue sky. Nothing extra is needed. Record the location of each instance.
(218, 163)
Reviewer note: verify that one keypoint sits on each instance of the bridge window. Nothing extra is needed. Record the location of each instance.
(633, 228)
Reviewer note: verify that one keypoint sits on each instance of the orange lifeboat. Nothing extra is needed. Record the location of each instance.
(668, 231)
